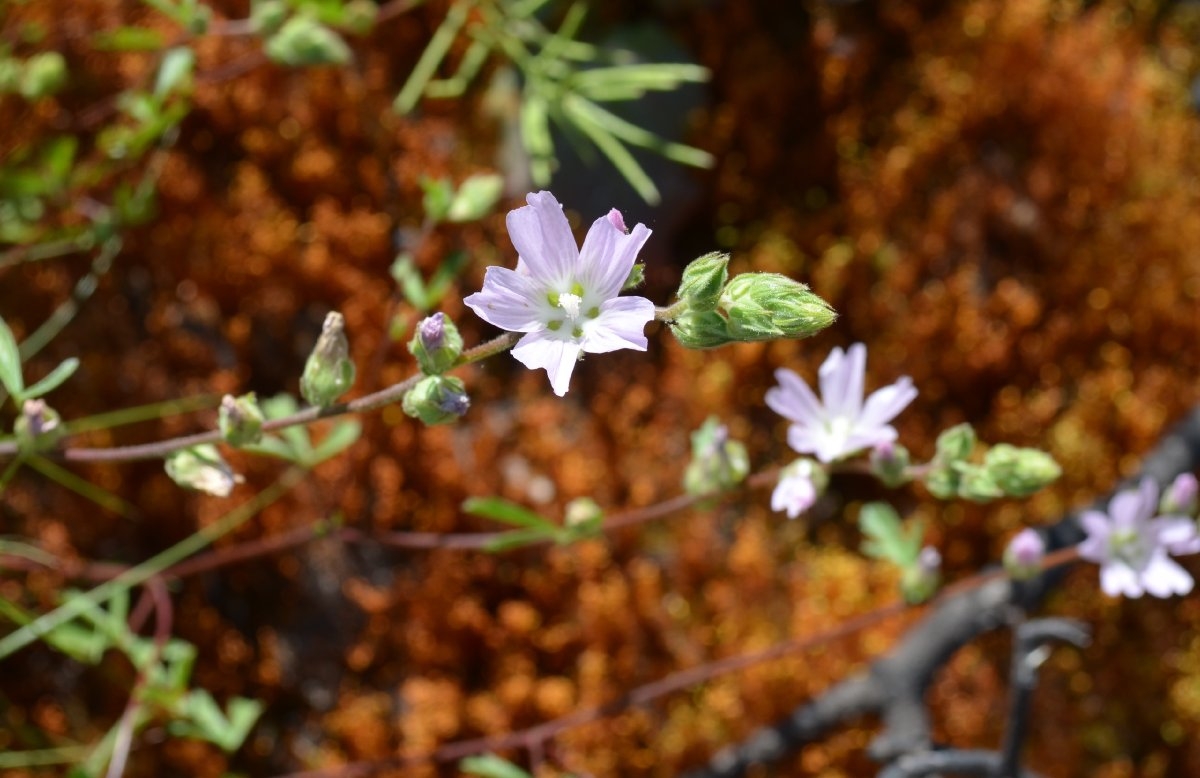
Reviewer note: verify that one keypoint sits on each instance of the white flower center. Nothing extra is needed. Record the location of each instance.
(1129, 547)
(570, 303)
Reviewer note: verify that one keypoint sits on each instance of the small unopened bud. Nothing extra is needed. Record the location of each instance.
(766, 306)
(718, 463)
(1023, 557)
(583, 513)
(329, 373)
(636, 277)
(1019, 472)
(702, 281)
(920, 580)
(1180, 498)
(956, 443)
(240, 420)
(701, 329)
(436, 344)
(437, 399)
(43, 75)
(304, 41)
(202, 469)
(889, 463)
(38, 428)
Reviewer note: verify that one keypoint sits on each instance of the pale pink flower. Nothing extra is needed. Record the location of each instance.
(1134, 550)
(565, 299)
(840, 423)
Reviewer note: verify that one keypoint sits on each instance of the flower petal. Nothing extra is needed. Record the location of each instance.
(608, 255)
(510, 301)
(546, 350)
(1177, 534)
(1095, 547)
(1163, 576)
(543, 238)
(621, 324)
(886, 404)
(1118, 579)
(842, 376)
(817, 441)
(1126, 510)
(793, 400)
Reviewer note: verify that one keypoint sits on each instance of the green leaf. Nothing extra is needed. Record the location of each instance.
(620, 157)
(10, 362)
(443, 277)
(885, 536)
(501, 510)
(129, 39)
(52, 380)
(491, 766)
(176, 69)
(475, 198)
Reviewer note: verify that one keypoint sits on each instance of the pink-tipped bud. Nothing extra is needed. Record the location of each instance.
(1023, 557)
(617, 220)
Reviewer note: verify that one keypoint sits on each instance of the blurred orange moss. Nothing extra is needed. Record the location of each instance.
(1000, 197)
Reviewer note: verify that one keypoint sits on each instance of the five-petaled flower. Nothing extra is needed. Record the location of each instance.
(839, 424)
(1133, 549)
(563, 298)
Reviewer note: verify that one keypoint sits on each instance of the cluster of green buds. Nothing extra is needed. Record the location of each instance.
(1006, 471)
(42, 75)
(713, 311)
(718, 462)
(328, 373)
(436, 398)
(303, 41)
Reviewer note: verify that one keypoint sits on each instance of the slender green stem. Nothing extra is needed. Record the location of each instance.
(670, 312)
(135, 576)
(370, 402)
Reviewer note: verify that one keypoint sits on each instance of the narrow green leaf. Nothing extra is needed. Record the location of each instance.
(499, 509)
(53, 379)
(612, 148)
(175, 70)
(518, 538)
(10, 363)
(129, 39)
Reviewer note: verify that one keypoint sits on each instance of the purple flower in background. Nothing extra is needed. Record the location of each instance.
(1133, 549)
(563, 298)
(839, 423)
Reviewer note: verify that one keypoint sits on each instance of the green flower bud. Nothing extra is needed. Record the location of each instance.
(437, 399)
(702, 281)
(942, 480)
(38, 428)
(240, 420)
(202, 469)
(701, 329)
(1180, 498)
(718, 463)
(976, 483)
(329, 373)
(43, 75)
(955, 444)
(267, 16)
(302, 41)
(889, 463)
(436, 344)
(636, 277)
(1024, 555)
(920, 580)
(584, 517)
(765, 306)
(1020, 472)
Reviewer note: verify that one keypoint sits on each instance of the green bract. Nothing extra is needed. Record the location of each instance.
(329, 373)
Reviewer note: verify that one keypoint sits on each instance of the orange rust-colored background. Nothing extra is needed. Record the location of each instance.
(999, 197)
